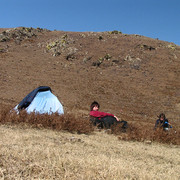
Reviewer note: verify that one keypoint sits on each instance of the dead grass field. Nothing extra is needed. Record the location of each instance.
(27, 153)
(68, 147)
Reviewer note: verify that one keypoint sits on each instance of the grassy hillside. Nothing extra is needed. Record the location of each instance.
(131, 76)
(134, 73)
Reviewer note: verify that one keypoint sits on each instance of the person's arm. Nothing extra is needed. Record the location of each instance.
(169, 123)
(100, 114)
(117, 118)
(157, 122)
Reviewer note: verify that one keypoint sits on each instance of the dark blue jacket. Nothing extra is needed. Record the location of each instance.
(161, 123)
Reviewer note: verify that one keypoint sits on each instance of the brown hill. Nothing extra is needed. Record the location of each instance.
(134, 73)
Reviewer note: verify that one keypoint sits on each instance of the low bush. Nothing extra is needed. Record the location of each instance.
(142, 133)
(71, 123)
(54, 121)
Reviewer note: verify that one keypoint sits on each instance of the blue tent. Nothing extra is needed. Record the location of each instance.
(41, 100)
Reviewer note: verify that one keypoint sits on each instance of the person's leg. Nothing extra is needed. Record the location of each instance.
(165, 126)
(108, 121)
(93, 120)
(96, 122)
(125, 125)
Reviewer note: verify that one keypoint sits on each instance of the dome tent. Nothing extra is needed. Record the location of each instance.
(41, 100)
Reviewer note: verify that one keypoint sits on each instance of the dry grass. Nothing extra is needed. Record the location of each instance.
(46, 154)
(79, 152)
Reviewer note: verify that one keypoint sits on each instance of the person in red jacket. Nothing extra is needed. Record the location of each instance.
(103, 119)
(96, 113)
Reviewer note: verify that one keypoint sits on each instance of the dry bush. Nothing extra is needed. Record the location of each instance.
(141, 132)
(69, 122)
(54, 121)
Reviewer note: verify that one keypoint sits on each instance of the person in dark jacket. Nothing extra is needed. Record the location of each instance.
(162, 122)
(103, 119)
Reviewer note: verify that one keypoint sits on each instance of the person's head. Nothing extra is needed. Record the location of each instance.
(94, 106)
(162, 116)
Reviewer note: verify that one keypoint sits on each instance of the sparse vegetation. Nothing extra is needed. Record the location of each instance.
(100, 38)
(2, 50)
(63, 47)
(146, 47)
(171, 46)
(115, 32)
(97, 63)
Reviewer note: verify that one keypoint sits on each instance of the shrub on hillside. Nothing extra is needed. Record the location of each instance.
(142, 133)
(73, 124)
(54, 121)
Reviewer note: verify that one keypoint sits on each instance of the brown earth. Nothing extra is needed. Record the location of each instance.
(134, 73)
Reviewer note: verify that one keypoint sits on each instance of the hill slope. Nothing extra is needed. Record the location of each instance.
(134, 73)
(137, 74)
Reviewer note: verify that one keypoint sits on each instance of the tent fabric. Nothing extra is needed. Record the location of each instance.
(45, 102)
(41, 100)
(29, 98)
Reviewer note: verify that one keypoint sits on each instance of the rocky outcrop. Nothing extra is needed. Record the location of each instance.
(20, 33)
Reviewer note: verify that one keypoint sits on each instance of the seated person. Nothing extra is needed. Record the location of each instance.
(103, 119)
(162, 122)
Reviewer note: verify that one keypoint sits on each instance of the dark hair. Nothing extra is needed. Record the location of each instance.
(95, 103)
(162, 115)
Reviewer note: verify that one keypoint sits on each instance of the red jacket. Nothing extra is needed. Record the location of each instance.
(100, 114)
